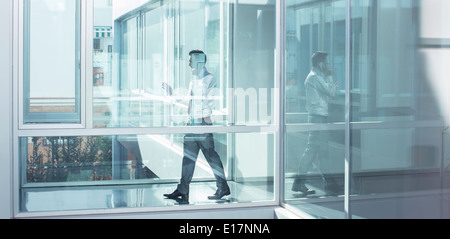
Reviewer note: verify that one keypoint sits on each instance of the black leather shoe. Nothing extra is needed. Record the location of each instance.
(219, 194)
(183, 200)
(179, 197)
(173, 195)
(302, 188)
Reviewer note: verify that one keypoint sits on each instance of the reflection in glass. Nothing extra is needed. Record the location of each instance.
(137, 46)
(66, 159)
(402, 85)
(149, 44)
(398, 142)
(117, 171)
(324, 176)
(311, 28)
(397, 160)
(315, 163)
(315, 83)
(150, 48)
(320, 87)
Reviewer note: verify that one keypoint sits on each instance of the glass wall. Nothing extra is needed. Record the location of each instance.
(315, 143)
(107, 92)
(150, 46)
(140, 87)
(104, 172)
(397, 139)
(400, 147)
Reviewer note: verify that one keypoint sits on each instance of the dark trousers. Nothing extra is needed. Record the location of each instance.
(192, 145)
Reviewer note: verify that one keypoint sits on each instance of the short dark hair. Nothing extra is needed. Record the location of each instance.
(317, 57)
(197, 52)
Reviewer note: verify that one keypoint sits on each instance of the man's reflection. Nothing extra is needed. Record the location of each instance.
(320, 88)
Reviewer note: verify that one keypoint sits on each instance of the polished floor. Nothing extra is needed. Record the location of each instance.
(408, 204)
(135, 196)
(375, 198)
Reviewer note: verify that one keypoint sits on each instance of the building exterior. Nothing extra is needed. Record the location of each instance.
(89, 131)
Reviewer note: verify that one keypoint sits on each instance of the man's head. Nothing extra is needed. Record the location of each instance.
(319, 57)
(196, 58)
(319, 61)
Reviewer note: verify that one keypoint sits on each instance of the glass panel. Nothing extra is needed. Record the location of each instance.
(155, 66)
(136, 170)
(315, 172)
(312, 27)
(399, 135)
(136, 48)
(150, 48)
(387, 36)
(398, 146)
(128, 105)
(446, 165)
(394, 167)
(315, 83)
(51, 89)
(105, 66)
(253, 63)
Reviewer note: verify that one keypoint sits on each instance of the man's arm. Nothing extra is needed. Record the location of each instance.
(211, 93)
(167, 88)
(326, 86)
(181, 101)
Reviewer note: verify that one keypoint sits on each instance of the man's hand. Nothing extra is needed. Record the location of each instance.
(167, 88)
(336, 83)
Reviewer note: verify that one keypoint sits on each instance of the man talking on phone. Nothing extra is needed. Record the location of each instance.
(320, 88)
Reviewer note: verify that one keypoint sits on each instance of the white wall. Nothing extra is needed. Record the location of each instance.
(5, 108)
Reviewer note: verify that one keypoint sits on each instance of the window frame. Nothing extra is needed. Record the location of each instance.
(42, 120)
(86, 128)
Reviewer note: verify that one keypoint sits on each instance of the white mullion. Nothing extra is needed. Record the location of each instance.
(295, 128)
(18, 69)
(17, 102)
(43, 127)
(280, 103)
(82, 62)
(87, 21)
(271, 129)
(348, 81)
(116, 212)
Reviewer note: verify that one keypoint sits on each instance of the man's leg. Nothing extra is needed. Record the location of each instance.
(213, 158)
(331, 187)
(304, 166)
(190, 153)
(310, 153)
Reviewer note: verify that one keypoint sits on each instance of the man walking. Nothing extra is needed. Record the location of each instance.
(201, 91)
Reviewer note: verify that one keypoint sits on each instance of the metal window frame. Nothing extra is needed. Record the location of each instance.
(279, 128)
(42, 120)
(85, 128)
(284, 128)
